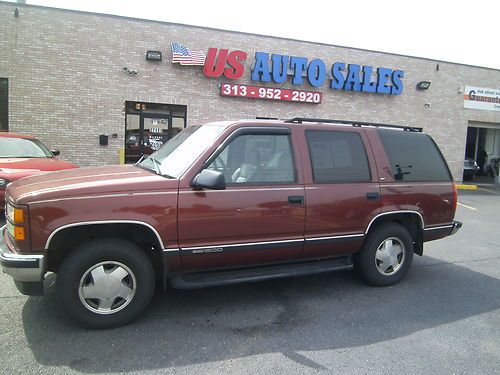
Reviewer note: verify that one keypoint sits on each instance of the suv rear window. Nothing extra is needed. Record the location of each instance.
(414, 156)
(337, 157)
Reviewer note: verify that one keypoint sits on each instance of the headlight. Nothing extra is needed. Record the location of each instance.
(16, 218)
(3, 183)
(15, 215)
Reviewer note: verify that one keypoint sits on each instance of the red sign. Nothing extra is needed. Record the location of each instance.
(270, 93)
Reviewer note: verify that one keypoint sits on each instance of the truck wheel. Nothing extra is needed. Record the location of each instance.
(105, 283)
(386, 255)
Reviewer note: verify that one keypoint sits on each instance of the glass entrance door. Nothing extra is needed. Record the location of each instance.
(155, 130)
(148, 126)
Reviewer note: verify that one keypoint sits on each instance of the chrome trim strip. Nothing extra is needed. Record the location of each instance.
(335, 237)
(171, 250)
(396, 212)
(104, 196)
(104, 222)
(241, 244)
(448, 226)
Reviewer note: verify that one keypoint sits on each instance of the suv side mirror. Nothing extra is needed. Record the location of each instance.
(209, 179)
(55, 152)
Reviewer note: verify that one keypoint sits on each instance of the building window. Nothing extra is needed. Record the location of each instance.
(4, 104)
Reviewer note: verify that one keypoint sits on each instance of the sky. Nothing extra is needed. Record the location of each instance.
(459, 31)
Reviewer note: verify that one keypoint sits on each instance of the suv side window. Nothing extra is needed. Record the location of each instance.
(257, 158)
(337, 157)
(414, 156)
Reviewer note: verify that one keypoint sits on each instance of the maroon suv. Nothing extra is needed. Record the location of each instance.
(230, 202)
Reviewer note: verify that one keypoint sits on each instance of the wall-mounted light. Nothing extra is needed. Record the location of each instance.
(153, 55)
(423, 85)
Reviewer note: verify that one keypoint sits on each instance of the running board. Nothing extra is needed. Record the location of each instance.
(205, 279)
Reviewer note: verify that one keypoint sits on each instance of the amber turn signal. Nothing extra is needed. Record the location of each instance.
(19, 233)
(18, 216)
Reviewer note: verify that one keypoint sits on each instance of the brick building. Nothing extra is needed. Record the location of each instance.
(81, 83)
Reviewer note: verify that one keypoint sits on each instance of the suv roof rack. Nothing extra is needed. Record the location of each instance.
(300, 120)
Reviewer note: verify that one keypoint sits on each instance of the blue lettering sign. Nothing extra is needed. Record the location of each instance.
(352, 81)
(316, 72)
(261, 69)
(338, 77)
(298, 64)
(383, 76)
(397, 84)
(368, 85)
(280, 67)
(354, 78)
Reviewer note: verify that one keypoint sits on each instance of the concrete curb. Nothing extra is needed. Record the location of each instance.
(466, 187)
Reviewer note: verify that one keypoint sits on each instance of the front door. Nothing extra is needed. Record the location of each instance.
(154, 130)
(260, 216)
(149, 125)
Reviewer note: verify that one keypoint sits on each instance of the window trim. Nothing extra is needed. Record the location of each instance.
(370, 175)
(436, 147)
(254, 130)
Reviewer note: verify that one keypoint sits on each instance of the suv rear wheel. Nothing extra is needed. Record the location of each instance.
(386, 255)
(106, 283)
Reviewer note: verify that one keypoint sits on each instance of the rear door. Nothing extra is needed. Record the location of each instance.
(342, 190)
(260, 216)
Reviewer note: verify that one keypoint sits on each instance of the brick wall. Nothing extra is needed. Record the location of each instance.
(67, 84)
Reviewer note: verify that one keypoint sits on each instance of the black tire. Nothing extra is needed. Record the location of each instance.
(125, 270)
(390, 238)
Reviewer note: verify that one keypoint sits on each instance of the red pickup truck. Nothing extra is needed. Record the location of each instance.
(230, 202)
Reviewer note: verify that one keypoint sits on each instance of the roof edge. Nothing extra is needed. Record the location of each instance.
(20, 5)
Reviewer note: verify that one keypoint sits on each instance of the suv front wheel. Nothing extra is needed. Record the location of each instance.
(386, 255)
(106, 283)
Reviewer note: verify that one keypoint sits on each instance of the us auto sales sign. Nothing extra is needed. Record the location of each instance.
(279, 69)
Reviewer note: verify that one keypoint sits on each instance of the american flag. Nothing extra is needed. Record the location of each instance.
(182, 55)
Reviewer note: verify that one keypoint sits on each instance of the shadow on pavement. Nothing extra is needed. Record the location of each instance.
(324, 312)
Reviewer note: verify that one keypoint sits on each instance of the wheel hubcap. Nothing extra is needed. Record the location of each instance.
(390, 256)
(107, 287)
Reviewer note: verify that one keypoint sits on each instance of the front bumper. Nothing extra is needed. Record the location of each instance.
(28, 271)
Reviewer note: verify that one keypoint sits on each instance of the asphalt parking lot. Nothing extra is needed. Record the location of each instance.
(444, 318)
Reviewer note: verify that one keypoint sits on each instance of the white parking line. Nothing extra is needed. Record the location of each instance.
(488, 190)
(469, 207)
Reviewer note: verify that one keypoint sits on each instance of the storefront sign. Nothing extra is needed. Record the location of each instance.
(259, 92)
(279, 69)
(482, 98)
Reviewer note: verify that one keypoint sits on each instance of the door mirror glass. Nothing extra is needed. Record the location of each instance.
(55, 152)
(210, 179)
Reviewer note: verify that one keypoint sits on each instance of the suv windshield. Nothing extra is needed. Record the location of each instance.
(23, 148)
(177, 155)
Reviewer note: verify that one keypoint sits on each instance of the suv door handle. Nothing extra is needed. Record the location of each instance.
(296, 199)
(372, 195)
